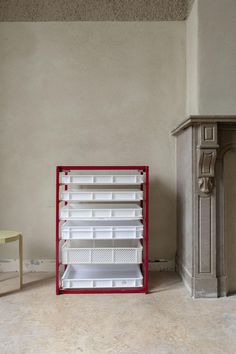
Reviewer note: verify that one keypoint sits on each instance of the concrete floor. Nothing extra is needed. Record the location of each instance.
(35, 320)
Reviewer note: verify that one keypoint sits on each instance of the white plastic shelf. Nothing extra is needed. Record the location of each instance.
(101, 230)
(90, 211)
(102, 252)
(102, 179)
(101, 195)
(100, 276)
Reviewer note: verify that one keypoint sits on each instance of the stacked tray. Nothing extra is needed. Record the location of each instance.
(87, 230)
(102, 252)
(82, 211)
(101, 195)
(102, 276)
(102, 179)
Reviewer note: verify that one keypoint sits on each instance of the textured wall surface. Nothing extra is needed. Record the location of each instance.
(94, 10)
(217, 53)
(192, 61)
(87, 93)
(211, 52)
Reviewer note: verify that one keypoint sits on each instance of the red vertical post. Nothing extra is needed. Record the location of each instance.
(146, 202)
(66, 188)
(57, 230)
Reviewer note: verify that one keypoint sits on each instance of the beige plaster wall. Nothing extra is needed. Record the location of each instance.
(217, 68)
(87, 93)
(211, 52)
(192, 61)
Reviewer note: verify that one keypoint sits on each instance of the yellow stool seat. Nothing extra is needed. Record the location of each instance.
(10, 236)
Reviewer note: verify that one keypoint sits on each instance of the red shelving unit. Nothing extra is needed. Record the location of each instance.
(101, 245)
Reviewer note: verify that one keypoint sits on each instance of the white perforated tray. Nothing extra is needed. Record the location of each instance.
(102, 179)
(93, 211)
(102, 252)
(102, 276)
(101, 230)
(100, 195)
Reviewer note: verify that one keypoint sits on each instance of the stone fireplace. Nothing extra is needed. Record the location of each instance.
(206, 204)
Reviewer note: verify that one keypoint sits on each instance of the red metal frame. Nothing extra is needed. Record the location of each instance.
(145, 188)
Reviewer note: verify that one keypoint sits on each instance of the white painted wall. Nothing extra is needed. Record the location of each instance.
(211, 53)
(217, 63)
(192, 61)
(87, 93)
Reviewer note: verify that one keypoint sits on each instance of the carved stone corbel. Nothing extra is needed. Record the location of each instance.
(207, 152)
(206, 170)
(206, 184)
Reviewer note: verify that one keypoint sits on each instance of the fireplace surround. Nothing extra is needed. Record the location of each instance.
(202, 143)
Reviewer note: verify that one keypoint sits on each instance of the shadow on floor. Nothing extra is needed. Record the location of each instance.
(163, 281)
(158, 282)
(9, 282)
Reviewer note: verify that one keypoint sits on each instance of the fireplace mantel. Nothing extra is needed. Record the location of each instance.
(191, 120)
(202, 142)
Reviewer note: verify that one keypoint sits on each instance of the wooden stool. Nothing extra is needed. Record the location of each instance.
(10, 236)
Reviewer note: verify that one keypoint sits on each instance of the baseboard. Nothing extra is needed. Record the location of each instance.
(29, 265)
(185, 275)
(48, 265)
(162, 265)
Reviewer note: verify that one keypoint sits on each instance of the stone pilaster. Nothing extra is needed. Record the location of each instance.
(204, 277)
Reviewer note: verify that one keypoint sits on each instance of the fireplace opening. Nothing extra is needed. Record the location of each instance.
(230, 220)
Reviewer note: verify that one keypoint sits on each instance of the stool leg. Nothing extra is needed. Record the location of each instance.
(21, 260)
